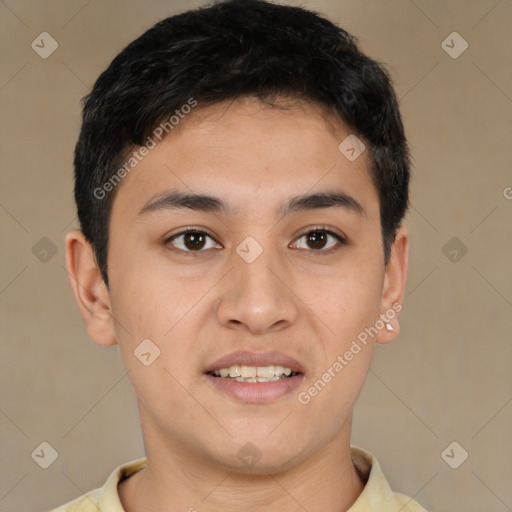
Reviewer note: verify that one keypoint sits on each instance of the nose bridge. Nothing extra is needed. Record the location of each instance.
(256, 296)
(258, 275)
(256, 265)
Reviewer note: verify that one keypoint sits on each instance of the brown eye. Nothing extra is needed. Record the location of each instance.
(319, 240)
(191, 241)
(194, 241)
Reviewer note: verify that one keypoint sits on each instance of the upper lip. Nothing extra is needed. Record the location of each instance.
(247, 358)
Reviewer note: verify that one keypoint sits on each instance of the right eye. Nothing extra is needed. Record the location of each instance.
(191, 240)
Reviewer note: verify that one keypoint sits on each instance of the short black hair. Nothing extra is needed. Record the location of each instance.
(223, 51)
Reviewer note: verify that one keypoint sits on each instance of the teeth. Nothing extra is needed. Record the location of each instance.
(265, 371)
(263, 379)
(234, 371)
(254, 373)
(249, 372)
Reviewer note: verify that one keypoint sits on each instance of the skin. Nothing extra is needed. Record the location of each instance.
(293, 298)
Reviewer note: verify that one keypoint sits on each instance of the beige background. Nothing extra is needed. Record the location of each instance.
(447, 378)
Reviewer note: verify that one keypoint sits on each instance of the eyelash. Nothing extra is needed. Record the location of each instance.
(319, 229)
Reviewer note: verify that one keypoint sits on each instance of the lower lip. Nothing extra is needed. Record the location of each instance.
(256, 392)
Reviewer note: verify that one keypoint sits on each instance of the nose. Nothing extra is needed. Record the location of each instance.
(257, 296)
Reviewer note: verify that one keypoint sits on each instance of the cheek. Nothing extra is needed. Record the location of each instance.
(146, 300)
(345, 307)
(329, 395)
(156, 313)
(347, 300)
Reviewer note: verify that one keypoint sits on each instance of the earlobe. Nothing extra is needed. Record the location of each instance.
(393, 290)
(91, 294)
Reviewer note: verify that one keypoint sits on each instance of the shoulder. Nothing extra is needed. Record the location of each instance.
(86, 503)
(104, 498)
(406, 504)
(377, 494)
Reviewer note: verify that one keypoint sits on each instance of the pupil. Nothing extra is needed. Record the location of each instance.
(317, 238)
(194, 240)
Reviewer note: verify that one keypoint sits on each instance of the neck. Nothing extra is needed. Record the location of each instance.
(177, 479)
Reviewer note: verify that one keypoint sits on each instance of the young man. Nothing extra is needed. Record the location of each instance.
(241, 178)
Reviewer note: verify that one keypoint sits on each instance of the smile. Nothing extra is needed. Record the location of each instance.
(242, 373)
(255, 377)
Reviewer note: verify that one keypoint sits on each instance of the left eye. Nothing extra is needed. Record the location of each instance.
(318, 240)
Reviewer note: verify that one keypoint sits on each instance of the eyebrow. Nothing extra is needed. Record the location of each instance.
(177, 200)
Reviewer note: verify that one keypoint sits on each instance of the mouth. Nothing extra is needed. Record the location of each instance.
(242, 373)
(255, 377)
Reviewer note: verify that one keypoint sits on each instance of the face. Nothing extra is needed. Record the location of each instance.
(258, 279)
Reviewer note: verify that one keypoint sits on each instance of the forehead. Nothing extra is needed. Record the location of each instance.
(247, 153)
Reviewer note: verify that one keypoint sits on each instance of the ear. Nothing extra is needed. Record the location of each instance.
(91, 294)
(393, 290)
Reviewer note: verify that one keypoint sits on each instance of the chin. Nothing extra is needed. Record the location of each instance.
(259, 455)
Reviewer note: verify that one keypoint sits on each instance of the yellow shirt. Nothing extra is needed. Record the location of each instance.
(376, 495)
